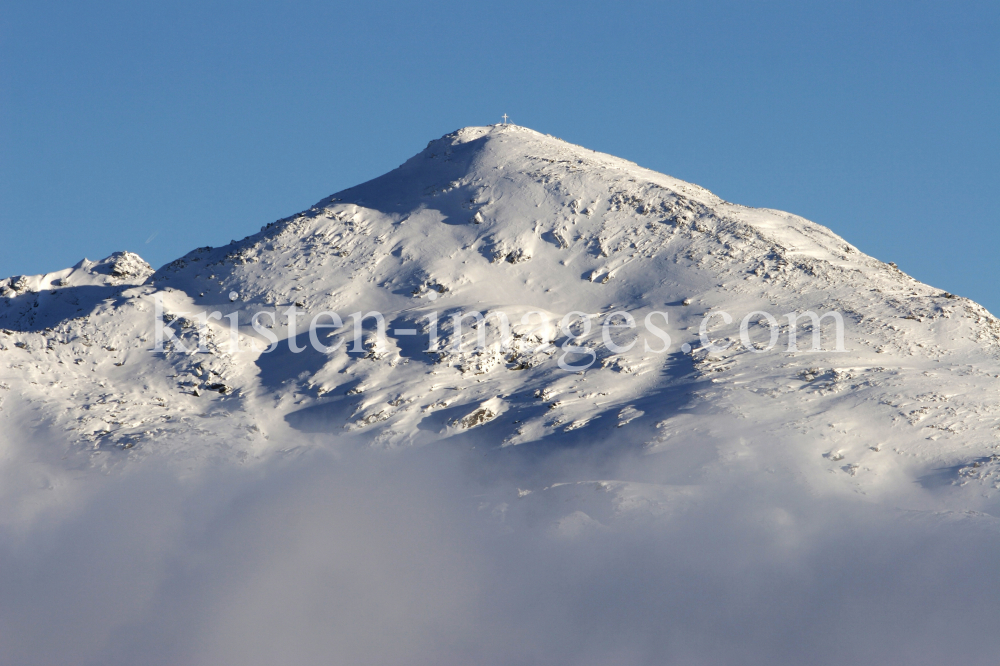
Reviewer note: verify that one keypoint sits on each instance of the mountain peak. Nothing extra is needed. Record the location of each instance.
(487, 155)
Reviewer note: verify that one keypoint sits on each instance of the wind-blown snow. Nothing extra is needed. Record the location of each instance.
(406, 505)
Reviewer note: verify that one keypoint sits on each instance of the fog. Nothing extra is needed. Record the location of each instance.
(428, 556)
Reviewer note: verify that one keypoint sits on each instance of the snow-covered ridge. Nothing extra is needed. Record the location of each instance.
(119, 268)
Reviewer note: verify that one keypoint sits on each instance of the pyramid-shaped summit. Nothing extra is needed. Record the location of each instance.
(506, 196)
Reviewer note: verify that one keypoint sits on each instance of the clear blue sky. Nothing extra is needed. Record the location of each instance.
(158, 127)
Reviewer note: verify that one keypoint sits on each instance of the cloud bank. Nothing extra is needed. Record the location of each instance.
(430, 556)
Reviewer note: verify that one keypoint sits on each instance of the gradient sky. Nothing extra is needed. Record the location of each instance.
(159, 127)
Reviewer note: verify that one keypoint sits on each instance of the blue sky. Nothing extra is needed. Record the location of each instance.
(159, 127)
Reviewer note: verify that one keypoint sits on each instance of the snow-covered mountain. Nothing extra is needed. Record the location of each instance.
(502, 219)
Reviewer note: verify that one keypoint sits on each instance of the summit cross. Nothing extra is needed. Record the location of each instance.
(505, 119)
